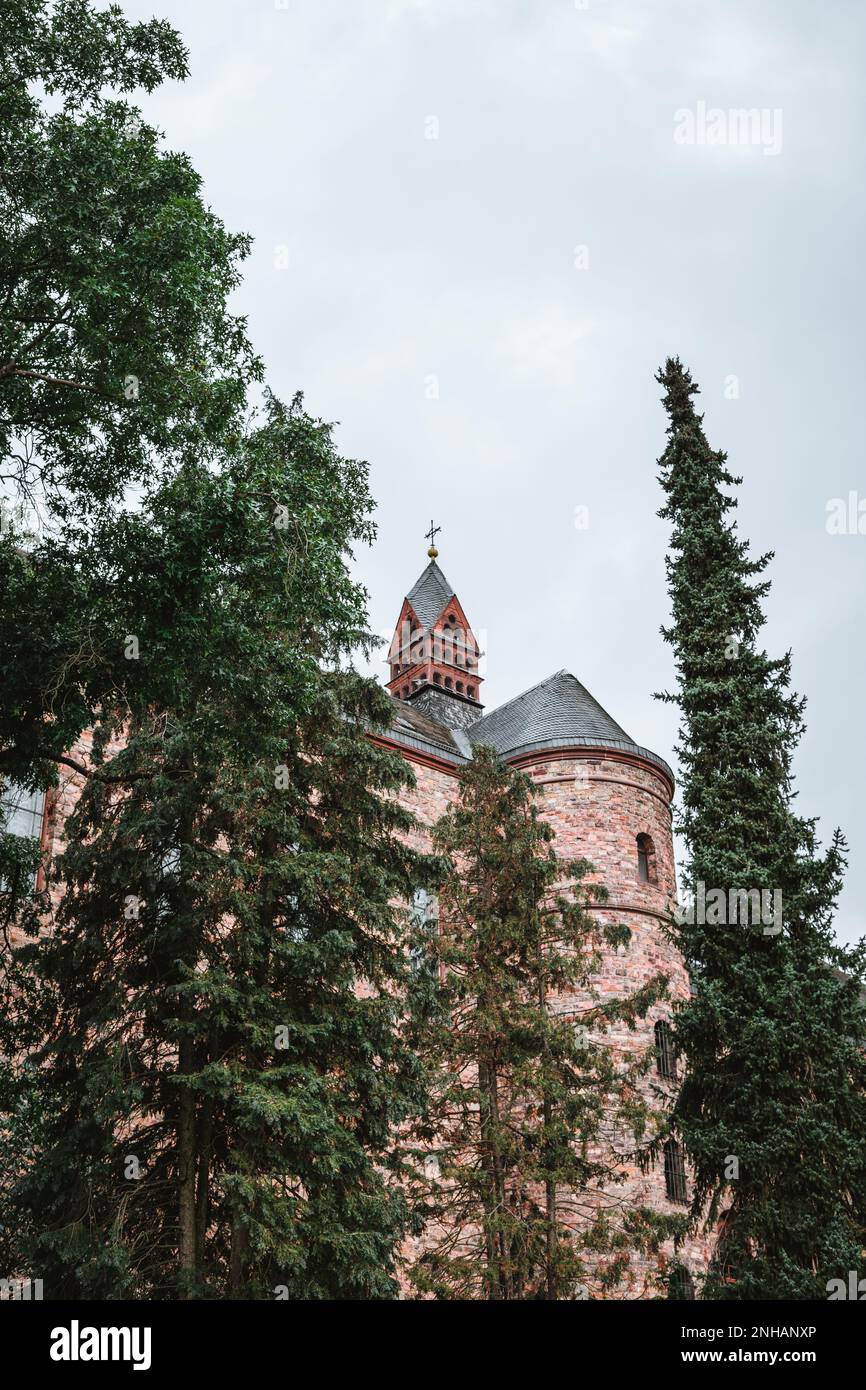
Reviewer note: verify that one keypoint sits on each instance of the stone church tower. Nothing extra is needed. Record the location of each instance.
(607, 798)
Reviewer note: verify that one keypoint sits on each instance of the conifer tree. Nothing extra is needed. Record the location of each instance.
(772, 1110)
(517, 1147)
(214, 1027)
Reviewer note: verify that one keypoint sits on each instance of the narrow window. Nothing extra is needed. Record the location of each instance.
(447, 682)
(646, 860)
(681, 1285)
(460, 687)
(437, 679)
(675, 1172)
(470, 691)
(424, 929)
(666, 1056)
(722, 1256)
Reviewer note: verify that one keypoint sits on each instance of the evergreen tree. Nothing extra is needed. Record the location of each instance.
(215, 1025)
(772, 1109)
(527, 1094)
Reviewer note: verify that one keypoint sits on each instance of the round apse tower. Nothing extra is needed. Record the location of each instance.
(608, 800)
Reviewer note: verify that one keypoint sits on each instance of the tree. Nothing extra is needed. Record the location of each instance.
(527, 1096)
(772, 1107)
(119, 358)
(116, 344)
(215, 1025)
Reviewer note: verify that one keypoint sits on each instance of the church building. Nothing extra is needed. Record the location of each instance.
(607, 799)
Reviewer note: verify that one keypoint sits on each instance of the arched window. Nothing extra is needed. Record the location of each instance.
(437, 679)
(675, 1172)
(447, 682)
(646, 860)
(470, 691)
(459, 687)
(666, 1054)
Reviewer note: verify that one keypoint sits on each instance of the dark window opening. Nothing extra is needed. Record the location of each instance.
(722, 1255)
(666, 1053)
(448, 682)
(675, 1173)
(681, 1285)
(460, 687)
(470, 691)
(646, 860)
(437, 679)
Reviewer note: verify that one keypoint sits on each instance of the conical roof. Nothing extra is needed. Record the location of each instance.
(555, 713)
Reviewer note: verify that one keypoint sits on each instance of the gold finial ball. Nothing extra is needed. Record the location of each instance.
(432, 552)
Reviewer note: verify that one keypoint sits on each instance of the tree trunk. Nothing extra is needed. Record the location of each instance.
(488, 1196)
(186, 1167)
(202, 1199)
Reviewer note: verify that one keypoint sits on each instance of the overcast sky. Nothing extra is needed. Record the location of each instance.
(481, 225)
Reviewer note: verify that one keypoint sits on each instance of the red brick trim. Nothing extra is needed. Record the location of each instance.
(414, 755)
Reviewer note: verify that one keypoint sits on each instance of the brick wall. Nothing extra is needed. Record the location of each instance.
(597, 806)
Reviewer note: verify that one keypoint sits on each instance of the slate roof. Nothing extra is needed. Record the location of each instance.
(415, 729)
(559, 712)
(429, 594)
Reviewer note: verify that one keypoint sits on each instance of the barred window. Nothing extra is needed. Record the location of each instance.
(666, 1052)
(681, 1285)
(21, 811)
(675, 1172)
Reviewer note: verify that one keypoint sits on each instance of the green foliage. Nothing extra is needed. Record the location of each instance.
(222, 995)
(774, 1034)
(116, 344)
(527, 1091)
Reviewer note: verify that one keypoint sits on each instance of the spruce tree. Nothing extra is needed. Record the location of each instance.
(772, 1109)
(516, 1154)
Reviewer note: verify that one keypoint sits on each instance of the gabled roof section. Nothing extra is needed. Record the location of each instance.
(413, 729)
(559, 712)
(429, 595)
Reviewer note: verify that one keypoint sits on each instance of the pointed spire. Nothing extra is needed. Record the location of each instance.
(434, 654)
